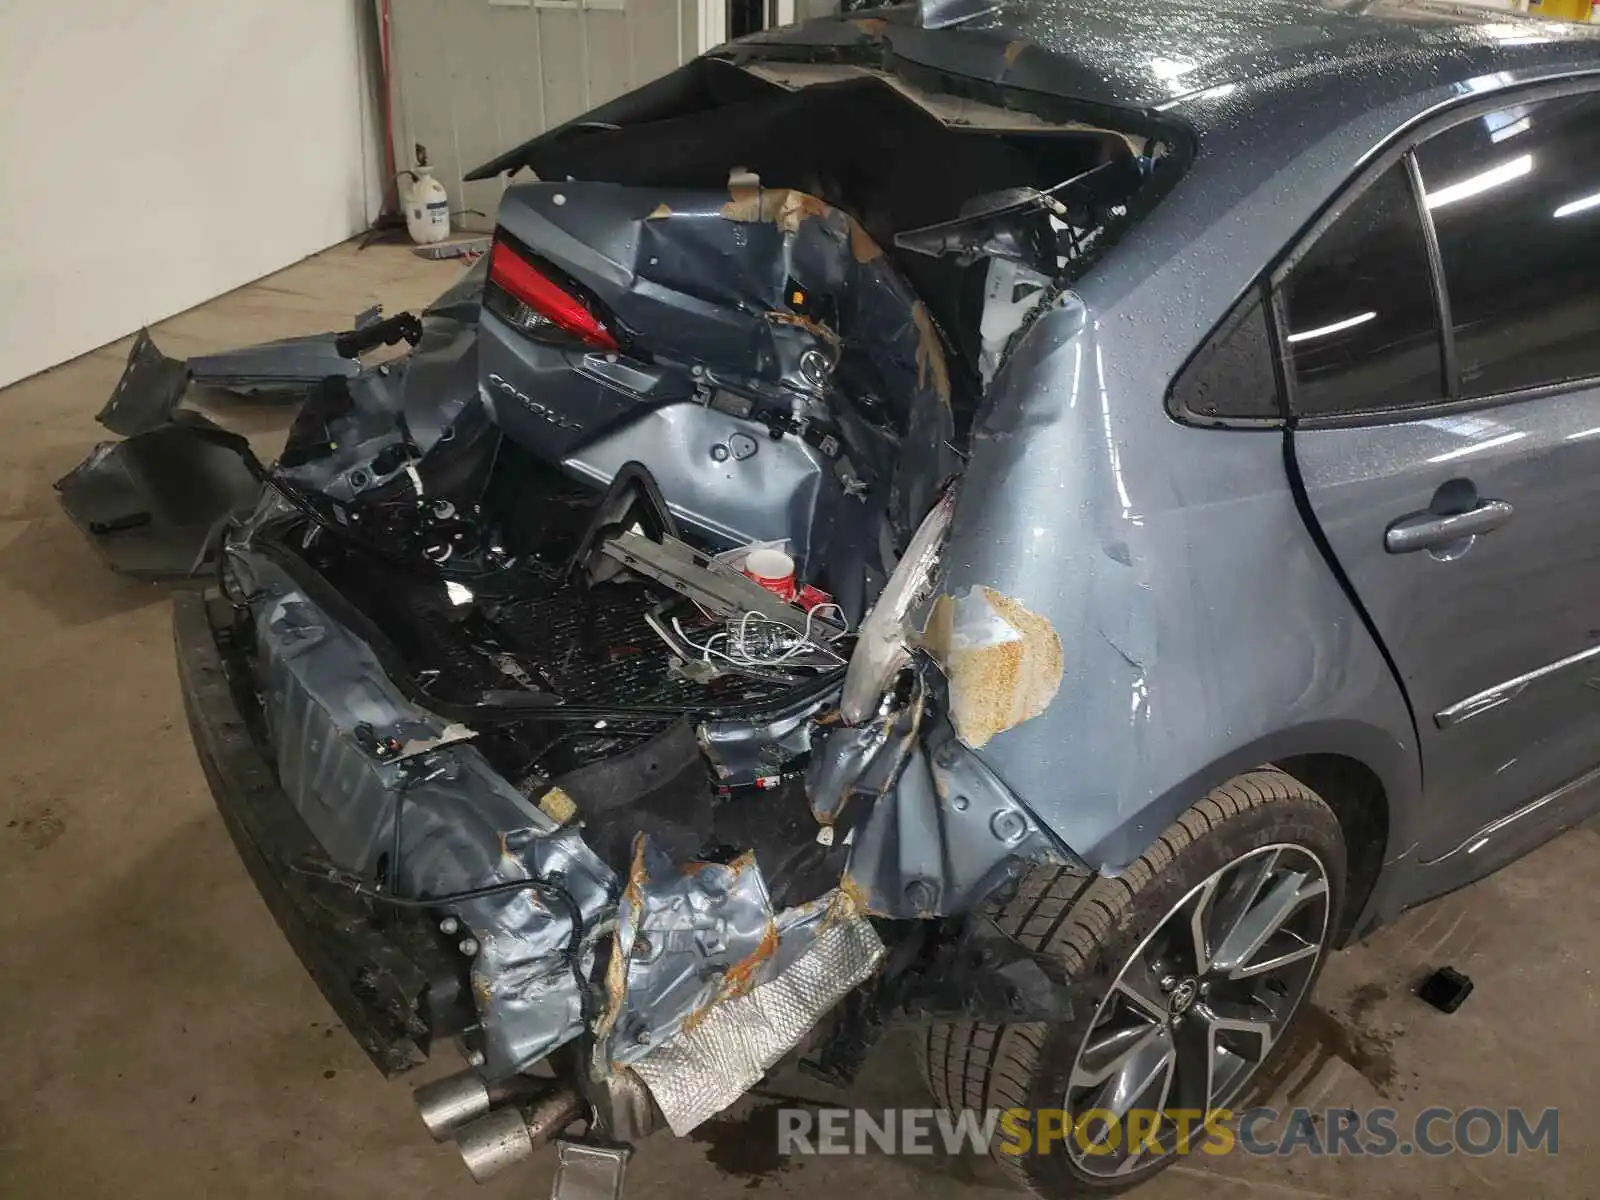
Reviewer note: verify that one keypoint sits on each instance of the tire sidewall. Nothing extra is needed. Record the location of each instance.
(1301, 819)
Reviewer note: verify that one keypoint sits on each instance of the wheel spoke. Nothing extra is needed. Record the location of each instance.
(1140, 984)
(1114, 1053)
(1243, 890)
(1199, 915)
(1251, 930)
(1106, 1052)
(1300, 951)
(1145, 1069)
(1192, 1085)
(1134, 1155)
(1248, 1037)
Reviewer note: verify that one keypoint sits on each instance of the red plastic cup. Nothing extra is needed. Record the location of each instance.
(773, 570)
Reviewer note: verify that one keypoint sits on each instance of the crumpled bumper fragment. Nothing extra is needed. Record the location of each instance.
(150, 505)
(397, 795)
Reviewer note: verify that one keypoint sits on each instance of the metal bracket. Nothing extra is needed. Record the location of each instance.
(715, 586)
(589, 1170)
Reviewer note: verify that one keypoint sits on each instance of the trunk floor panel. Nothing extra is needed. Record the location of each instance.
(590, 647)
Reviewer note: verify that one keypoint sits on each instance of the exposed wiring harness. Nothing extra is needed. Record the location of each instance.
(737, 640)
(348, 879)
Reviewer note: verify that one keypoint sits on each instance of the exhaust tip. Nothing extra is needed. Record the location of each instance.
(510, 1135)
(492, 1143)
(449, 1103)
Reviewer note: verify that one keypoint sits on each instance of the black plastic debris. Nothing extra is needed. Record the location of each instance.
(1446, 989)
(148, 391)
(150, 504)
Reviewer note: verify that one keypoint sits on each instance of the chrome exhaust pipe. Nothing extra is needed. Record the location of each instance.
(510, 1135)
(447, 1104)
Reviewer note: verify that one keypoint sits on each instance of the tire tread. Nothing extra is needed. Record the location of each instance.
(1066, 914)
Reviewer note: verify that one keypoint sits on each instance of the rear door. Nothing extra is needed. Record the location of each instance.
(1441, 335)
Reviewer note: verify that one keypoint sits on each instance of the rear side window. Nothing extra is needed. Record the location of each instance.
(1230, 377)
(1359, 320)
(1515, 197)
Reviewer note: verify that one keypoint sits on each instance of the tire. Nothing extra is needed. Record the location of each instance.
(1091, 926)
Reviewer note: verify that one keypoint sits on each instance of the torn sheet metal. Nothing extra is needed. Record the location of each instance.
(530, 973)
(1003, 662)
(787, 343)
(858, 764)
(946, 836)
(685, 937)
(704, 1069)
(932, 830)
(744, 753)
(151, 505)
(414, 425)
(433, 823)
(153, 384)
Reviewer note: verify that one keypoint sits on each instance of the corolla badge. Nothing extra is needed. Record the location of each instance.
(543, 411)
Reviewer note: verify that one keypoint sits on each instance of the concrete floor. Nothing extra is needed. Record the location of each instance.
(158, 1039)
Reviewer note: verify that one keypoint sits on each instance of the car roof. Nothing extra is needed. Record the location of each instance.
(1150, 55)
(1143, 58)
(1155, 53)
(1273, 81)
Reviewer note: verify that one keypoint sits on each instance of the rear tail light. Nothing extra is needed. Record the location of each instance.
(537, 304)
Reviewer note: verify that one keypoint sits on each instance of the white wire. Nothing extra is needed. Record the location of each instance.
(806, 641)
(816, 608)
(706, 649)
(738, 652)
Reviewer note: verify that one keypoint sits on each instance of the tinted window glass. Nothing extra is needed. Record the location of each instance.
(1515, 196)
(1231, 375)
(1360, 322)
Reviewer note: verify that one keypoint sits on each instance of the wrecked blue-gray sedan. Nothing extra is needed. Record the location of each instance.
(1037, 521)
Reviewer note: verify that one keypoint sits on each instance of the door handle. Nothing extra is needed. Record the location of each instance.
(1427, 530)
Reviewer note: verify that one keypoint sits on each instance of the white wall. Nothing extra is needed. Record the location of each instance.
(476, 77)
(156, 153)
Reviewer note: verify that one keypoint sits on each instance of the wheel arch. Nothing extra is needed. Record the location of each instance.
(1370, 779)
(1358, 798)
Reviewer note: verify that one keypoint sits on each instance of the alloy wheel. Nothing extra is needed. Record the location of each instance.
(1198, 1006)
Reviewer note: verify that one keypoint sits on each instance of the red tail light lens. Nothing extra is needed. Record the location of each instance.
(541, 301)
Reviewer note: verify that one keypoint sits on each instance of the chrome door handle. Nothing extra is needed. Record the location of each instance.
(1426, 530)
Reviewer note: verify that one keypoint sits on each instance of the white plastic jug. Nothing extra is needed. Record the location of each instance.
(427, 208)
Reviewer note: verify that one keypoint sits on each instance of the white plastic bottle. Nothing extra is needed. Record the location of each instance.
(427, 208)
